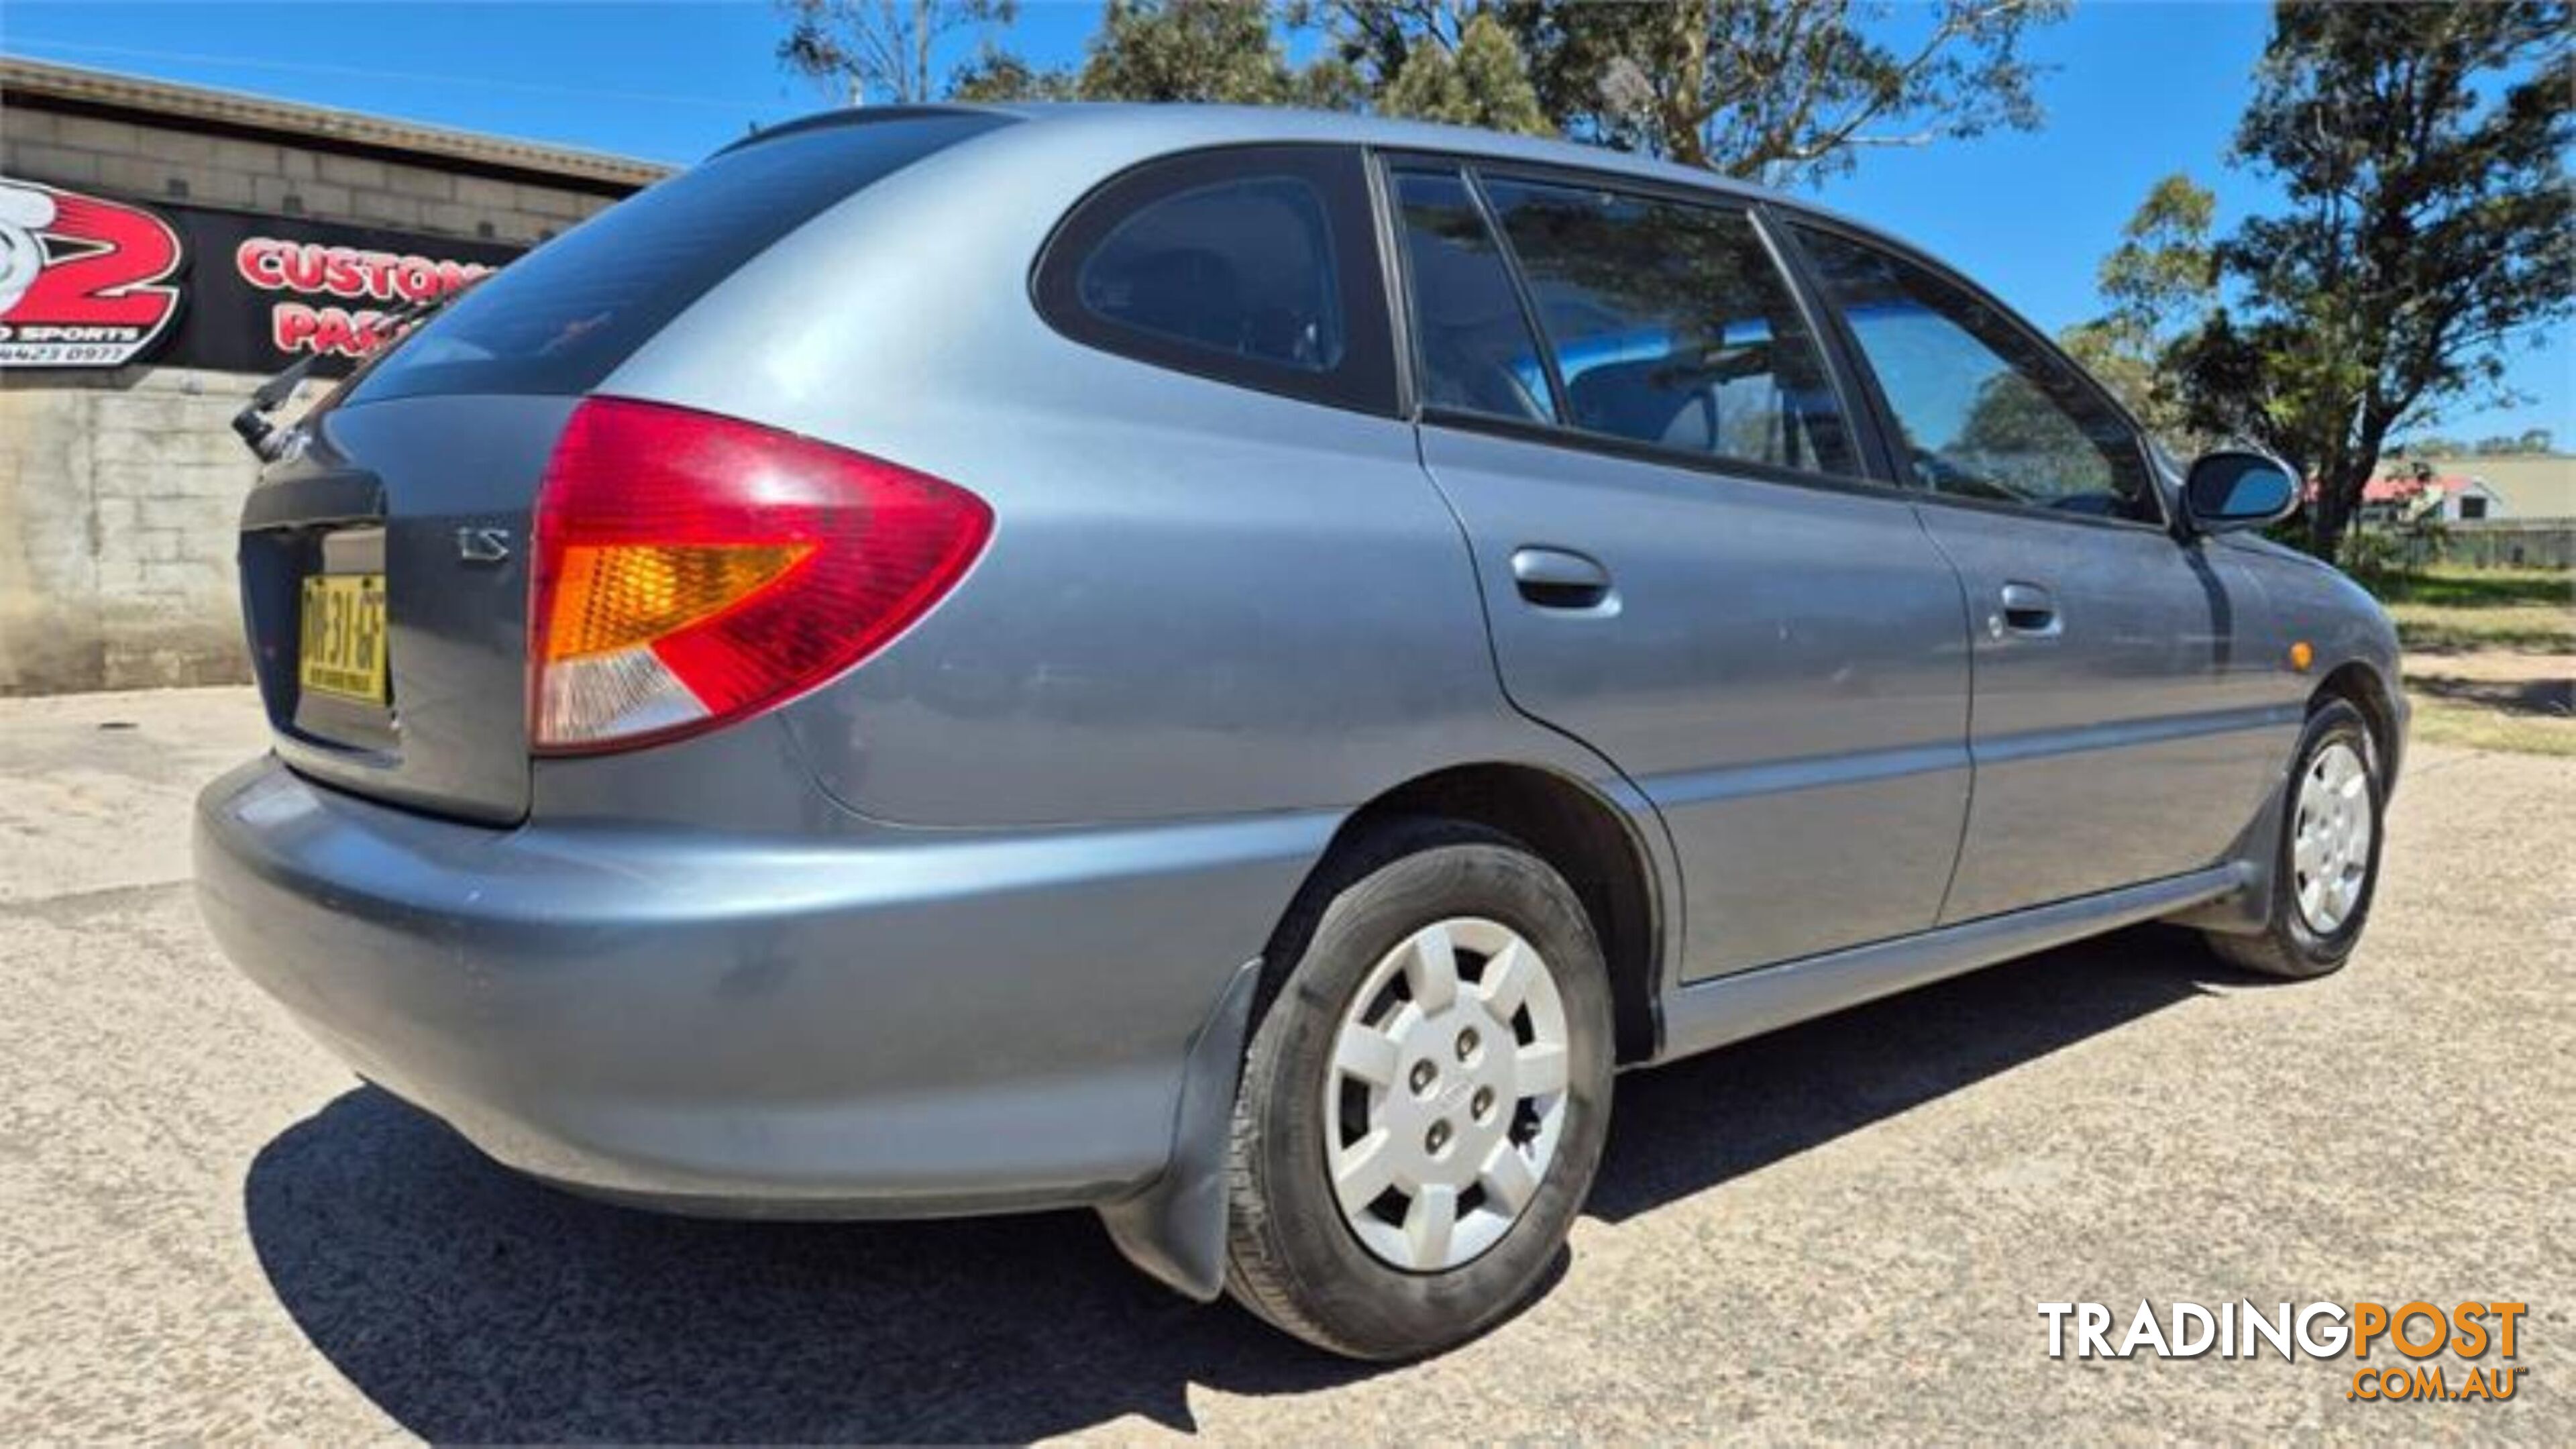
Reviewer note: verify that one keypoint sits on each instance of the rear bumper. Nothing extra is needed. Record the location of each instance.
(885, 1022)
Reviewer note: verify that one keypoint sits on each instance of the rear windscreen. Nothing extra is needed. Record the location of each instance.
(561, 318)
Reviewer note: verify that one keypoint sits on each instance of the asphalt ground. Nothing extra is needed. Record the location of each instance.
(210, 1230)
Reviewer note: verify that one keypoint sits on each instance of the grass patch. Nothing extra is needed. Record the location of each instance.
(2426, 630)
(2474, 681)
(2446, 586)
(2468, 726)
(2447, 610)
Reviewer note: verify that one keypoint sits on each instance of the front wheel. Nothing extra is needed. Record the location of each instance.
(2327, 862)
(1425, 1102)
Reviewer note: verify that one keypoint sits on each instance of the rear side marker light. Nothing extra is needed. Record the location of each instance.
(692, 570)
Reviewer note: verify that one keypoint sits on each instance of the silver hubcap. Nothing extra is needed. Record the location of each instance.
(2330, 847)
(1446, 1095)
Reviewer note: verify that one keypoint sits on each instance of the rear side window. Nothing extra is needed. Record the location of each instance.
(1251, 265)
(561, 318)
(1473, 339)
(1671, 325)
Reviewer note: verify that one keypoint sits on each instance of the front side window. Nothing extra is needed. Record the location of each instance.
(1984, 411)
(1670, 325)
(1251, 265)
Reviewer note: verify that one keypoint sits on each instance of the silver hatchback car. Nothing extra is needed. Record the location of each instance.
(1232, 667)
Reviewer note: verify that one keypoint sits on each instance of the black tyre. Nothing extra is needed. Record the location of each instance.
(1425, 1100)
(2327, 865)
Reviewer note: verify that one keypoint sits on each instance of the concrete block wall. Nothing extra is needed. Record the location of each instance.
(149, 163)
(119, 496)
(120, 490)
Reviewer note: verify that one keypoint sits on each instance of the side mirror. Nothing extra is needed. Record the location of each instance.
(2233, 488)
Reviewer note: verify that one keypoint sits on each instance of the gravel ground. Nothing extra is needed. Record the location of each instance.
(210, 1230)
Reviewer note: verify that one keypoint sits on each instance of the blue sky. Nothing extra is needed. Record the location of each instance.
(2140, 89)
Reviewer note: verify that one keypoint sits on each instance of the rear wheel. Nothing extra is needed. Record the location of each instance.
(1424, 1104)
(2327, 865)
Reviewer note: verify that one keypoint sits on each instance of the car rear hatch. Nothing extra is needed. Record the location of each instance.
(385, 562)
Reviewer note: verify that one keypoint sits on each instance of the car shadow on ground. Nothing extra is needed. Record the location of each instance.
(2552, 698)
(474, 1305)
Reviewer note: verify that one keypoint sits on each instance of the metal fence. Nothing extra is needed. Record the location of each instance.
(2538, 543)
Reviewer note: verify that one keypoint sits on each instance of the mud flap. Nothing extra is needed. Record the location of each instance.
(2247, 910)
(1175, 1228)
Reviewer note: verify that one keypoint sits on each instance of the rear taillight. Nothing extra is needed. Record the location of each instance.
(692, 569)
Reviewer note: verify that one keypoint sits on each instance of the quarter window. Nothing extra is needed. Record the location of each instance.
(1241, 268)
(1251, 265)
(1669, 324)
(1984, 410)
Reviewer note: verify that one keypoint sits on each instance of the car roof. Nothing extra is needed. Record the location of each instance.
(1137, 132)
(1151, 127)
(1217, 123)
(1141, 131)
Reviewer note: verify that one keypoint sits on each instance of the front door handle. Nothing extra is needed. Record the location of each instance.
(1559, 578)
(2028, 610)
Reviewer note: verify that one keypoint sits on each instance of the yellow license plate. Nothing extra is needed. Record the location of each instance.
(344, 636)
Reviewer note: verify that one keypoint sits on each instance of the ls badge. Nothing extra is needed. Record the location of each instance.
(483, 545)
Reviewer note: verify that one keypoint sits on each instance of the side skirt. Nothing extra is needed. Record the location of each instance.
(1712, 1014)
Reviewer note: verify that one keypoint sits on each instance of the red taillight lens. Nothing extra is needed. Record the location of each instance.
(693, 569)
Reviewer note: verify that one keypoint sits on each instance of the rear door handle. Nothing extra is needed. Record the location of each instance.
(1559, 578)
(2028, 610)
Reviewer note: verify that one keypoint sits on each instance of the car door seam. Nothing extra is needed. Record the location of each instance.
(1671, 917)
(1967, 713)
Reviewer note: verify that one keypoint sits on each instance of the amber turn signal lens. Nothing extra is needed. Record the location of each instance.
(2301, 656)
(613, 596)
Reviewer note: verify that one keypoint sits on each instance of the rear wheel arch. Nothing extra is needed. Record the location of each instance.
(1570, 826)
(1353, 1219)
